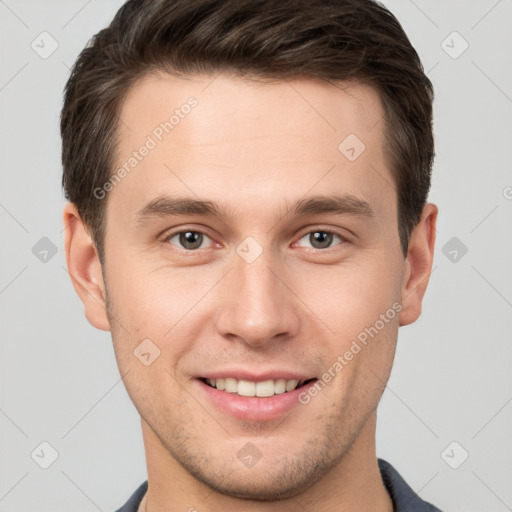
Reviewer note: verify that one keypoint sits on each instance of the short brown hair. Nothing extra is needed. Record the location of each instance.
(334, 40)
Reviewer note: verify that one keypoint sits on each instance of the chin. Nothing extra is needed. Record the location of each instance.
(279, 479)
(263, 487)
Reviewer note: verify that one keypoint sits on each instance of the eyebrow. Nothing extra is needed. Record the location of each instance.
(165, 206)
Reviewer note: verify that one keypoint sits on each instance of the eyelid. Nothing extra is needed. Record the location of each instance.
(344, 233)
(183, 229)
(329, 230)
(203, 230)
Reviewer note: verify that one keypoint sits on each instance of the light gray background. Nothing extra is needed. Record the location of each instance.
(452, 375)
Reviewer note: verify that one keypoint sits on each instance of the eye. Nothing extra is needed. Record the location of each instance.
(321, 239)
(188, 239)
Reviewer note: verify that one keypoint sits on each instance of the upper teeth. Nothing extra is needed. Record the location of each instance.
(248, 388)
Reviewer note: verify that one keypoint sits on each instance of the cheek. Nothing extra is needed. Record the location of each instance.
(360, 305)
(147, 333)
(151, 313)
(352, 296)
(153, 300)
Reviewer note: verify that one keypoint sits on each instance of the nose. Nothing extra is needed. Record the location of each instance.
(257, 305)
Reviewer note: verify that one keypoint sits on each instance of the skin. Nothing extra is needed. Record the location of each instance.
(257, 148)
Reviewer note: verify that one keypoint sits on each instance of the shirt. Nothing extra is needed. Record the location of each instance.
(403, 497)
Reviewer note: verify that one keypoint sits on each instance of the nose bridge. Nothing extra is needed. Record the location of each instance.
(257, 306)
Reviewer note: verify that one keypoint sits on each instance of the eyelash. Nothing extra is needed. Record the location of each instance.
(169, 236)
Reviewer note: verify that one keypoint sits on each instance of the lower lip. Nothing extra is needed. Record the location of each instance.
(253, 408)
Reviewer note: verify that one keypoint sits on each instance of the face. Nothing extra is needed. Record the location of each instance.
(254, 242)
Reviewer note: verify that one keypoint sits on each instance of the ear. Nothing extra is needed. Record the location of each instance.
(84, 268)
(418, 265)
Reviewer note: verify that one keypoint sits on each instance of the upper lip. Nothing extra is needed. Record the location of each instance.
(256, 377)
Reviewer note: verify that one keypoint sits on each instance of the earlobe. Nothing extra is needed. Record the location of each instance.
(418, 265)
(84, 268)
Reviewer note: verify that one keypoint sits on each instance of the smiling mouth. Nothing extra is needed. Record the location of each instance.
(261, 389)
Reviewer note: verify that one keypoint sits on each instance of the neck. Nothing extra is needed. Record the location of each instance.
(354, 484)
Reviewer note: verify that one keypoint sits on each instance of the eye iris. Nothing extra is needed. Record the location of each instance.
(322, 238)
(191, 239)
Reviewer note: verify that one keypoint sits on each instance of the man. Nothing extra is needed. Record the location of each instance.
(247, 215)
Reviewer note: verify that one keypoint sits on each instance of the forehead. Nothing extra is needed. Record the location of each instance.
(224, 137)
(308, 107)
